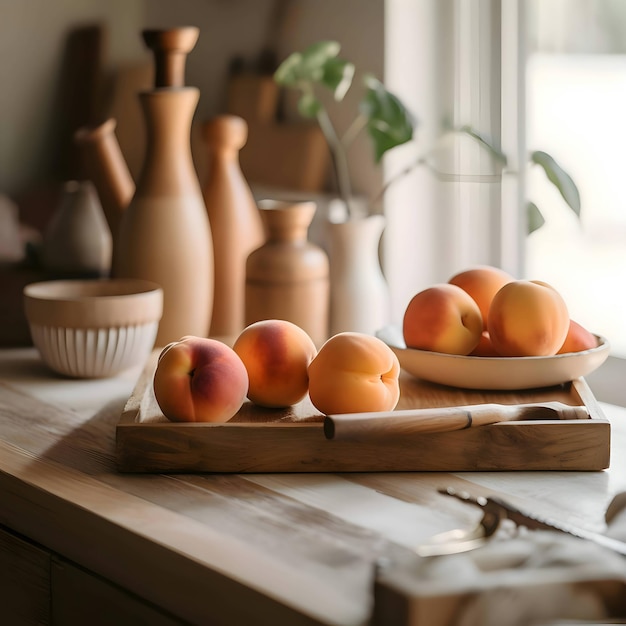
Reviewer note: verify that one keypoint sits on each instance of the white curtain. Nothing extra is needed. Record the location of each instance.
(456, 63)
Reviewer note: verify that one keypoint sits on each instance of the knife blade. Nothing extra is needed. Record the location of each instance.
(537, 522)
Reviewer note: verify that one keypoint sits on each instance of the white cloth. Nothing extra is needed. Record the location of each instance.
(522, 577)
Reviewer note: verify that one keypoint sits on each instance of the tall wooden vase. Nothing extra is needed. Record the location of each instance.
(359, 299)
(234, 218)
(288, 277)
(164, 234)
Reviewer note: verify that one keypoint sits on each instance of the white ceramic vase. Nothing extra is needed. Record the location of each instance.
(359, 299)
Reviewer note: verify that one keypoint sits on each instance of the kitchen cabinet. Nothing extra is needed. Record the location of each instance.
(79, 597)
(38, 587)
(24, 581)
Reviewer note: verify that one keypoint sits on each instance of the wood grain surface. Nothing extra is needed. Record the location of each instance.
(255, 548)
(292, 440)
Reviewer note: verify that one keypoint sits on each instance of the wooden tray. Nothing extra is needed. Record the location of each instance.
(292, 440)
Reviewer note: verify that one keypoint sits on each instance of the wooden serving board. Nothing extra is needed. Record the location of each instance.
(261, 440)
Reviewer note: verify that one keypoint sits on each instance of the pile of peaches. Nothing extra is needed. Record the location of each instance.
(274, 364)
(484, 311)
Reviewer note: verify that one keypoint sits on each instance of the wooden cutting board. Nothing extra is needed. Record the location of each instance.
(292, 440)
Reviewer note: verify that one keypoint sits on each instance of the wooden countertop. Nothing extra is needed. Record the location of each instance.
(255, 548)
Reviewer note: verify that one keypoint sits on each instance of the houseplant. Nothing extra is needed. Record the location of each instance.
(388, 123)
(358, 289)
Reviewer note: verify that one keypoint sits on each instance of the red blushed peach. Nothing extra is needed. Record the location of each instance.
(578, 339)
(528, 318)
(482, 283)
(276, 354)
(199, 380)
(442, 318)
(353, 373)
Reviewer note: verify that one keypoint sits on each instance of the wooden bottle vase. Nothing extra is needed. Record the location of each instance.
(164, 234)
(288, 277)
(235, 222)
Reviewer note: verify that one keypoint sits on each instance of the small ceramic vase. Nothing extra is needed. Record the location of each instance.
(77, 242)
(288, 277)
(359, 300)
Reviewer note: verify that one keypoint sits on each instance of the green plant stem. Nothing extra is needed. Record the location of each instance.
(340, 160)
(353, 130)
(423, 159)
(401, 174)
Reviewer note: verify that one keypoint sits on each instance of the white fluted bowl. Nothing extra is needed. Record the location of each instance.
(93, 328)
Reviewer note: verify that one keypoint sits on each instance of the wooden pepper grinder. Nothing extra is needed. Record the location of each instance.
(288, 277)
(234, 218)
(164, 235)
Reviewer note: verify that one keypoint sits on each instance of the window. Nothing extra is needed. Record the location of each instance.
(576, 95)
(480, 63)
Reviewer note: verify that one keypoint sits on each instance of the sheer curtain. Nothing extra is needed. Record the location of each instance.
(455, 63)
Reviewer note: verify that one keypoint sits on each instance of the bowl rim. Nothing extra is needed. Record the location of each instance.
(603, 344)
(495, 372)
(113, 288)
(93, 303)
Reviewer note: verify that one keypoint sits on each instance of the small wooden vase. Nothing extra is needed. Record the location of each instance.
(288, 277)
(235, 222)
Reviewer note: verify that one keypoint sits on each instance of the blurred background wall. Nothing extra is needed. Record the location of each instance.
(36, 99)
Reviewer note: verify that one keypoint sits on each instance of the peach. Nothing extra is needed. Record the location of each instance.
(199, 380)
(442, 318)
(484, 347)
(352, 373)
(528, 318)
(276, 354)
(578, 339)
(482, 282)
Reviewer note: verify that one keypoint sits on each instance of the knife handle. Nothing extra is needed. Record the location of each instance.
(371, 426)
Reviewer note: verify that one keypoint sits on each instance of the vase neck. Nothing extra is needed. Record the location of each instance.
(358, 238)
(168, 162)
(287, 222)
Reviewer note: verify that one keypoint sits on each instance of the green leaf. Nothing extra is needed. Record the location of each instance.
(389, 123)
(287, 73)
(318, 54)
(559, 178)
(534, 217)
(338, 75)
(496, 153)
(306, 66)
(309, 105)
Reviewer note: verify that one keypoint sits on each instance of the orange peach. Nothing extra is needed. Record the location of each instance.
(199, 380)
(482, 282)
(276, 354)
(442, 318)
(578, 339)
(484, 347)
(352, 373)
(528, 318)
